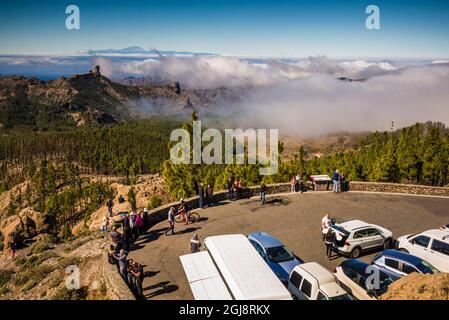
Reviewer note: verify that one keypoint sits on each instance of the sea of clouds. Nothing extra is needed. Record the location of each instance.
(308, 96)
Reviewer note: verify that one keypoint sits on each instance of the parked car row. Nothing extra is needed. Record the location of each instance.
(425, 253)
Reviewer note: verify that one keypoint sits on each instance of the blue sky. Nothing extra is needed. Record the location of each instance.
(413, 28)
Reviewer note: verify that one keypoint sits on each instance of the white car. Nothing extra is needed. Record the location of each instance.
(311, 281)
(355, 236)
(430, 245)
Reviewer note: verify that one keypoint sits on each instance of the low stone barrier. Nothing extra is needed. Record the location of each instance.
(399, 188)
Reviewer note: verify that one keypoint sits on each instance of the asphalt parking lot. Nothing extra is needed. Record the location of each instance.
(294, 219)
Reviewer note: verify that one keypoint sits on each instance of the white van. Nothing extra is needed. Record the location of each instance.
(311, 281)
(430, 245)
(231, 268)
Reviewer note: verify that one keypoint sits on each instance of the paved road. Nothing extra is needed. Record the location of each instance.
(294, 219)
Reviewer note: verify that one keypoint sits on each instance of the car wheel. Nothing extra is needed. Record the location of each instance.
(387, 244)
(355, 253)
(404, 250)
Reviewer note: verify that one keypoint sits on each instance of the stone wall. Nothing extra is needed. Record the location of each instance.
(399, 188)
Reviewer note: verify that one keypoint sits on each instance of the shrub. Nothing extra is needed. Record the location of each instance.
(154, 202)
(40, 247)
(132, 198)
(103, 288)
(69, 261)
(33, 275)
(66, 232)
(75, 294)
(5, 276)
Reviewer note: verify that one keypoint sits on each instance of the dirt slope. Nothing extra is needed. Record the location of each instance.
(419, 287)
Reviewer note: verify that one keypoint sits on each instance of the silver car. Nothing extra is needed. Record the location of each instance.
(355, 236)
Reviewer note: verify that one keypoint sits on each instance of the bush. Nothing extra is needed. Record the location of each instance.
(40, 247)
(66, 232)
(154, 202)
(5, 276)
(69, 261)
(132, 198)
(103, 288)
(75, 294)
(33, 275)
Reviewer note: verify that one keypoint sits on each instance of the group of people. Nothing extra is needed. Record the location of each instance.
(133, 226)
(205, 195)
(130, 270)
(338, 179)
(296, 184)
(234, 187)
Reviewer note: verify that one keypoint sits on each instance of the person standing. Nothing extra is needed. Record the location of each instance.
(140, 225)
(110, 205)
(209, 195)
(293, 184)
(329, 240)
(326, 222)
(201, 195)
(13, 247)
(105, 224)
(129, 272)
(342, 183)
(335, 179)
(145, 218)
(171, 221)
(238, 187)
(121, 258)
(230, 188)
(138, 276)
(263, 190)
(182, 210)
(299, 183)
(195, 244)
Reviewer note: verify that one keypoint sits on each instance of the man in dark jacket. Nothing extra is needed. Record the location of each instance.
(329, 240)
(201, 196)
(263, 190)
(230, 188)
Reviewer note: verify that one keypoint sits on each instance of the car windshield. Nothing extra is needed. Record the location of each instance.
(426, 267)
(345, 296)
(279, 254)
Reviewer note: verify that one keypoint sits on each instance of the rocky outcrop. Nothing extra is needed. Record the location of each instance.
(27, 224)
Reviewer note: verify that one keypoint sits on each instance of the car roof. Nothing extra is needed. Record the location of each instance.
(332, 289)
(401, 256)
(442, 235)
(360, 267)
(266, 240)
(321, 274)
(353, 224)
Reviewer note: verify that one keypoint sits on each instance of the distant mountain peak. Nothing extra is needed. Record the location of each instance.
(140, 50)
